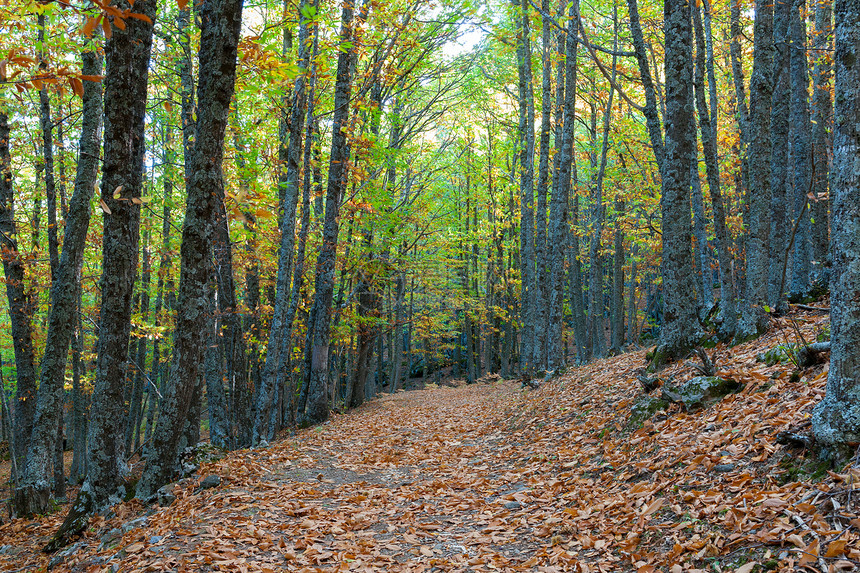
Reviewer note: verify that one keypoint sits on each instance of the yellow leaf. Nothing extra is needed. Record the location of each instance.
(117, 193)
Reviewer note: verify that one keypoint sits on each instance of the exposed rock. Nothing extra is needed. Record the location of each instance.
(165, 495)
(134, 524)
(701, 391)
(644, 408)
(513, 505)
(209, 481)
(724, 467)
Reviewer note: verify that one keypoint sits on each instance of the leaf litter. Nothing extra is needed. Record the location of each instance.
(492, 477)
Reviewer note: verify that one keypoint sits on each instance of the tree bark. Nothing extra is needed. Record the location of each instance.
(780, 218)
(564, 175)
(758, 145)
(526, 157)
(707, 127)
(679, 331)
(801, 136)
(836, 419)
(822, 147)
(317, 407)
(220, 29)
(127, 53)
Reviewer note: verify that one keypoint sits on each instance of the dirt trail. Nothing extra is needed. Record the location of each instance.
(491, 477)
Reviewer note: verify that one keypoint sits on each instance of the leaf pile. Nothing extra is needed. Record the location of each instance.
(491, 477)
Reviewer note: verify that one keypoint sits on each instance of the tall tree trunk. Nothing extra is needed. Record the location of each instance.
(317, 407)
(542, 296)
(701, 262)
(20, 305)
(564, 175)
(264, 428)
(822, 147)
(127, 53)
(46, 126)
(679, 331)
(779, 216)
(801, 153)
(836, 419)
(221, 25)
(526, 156)
(707, 127)
(758, 145)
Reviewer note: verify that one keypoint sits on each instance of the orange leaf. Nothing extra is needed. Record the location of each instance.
(107, 29)
(77, 86)
(183, 4)
(89, 26)
(142, 17)
(104, 207)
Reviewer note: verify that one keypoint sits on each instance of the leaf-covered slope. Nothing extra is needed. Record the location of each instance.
(493, 477)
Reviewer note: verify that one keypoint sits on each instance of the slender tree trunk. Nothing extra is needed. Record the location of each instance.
(617, 309)
(542, 296)
(801, 136)
(127, 54)
(652, 119)
(46, 126)
(836, 419)
(564, 175)
(289, 187)
(20, 305)
(526, 157)
(701, 263)
(758, 157)
(679, 332)
(707, 127)
(779, 215)
(221, 24)
(32, 496)
(822, 147)
(317, 407)
(79, 399)
(135, 414)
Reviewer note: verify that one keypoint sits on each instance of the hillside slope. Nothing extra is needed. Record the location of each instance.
(494, 477)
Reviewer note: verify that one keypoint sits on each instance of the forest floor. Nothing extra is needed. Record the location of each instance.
(492, 476)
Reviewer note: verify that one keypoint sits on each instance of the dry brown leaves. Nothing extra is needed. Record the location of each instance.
(491, 477)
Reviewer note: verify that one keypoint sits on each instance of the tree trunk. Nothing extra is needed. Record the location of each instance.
(20, 305)
(32, 496)
(317, 407)
(836, 419)
(526, 156)
(800, 150)
(542, 286)
(564, 175)
(617, 309)
(125, 84)
(288, 183)
(780, 219)
(679, 331)
(822, 147)
(707, 127)
(221, 24)
(758, 158)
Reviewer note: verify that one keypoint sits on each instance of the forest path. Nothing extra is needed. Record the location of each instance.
(491, 477)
